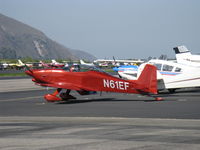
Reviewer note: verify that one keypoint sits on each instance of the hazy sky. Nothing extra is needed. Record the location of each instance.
(120, 28)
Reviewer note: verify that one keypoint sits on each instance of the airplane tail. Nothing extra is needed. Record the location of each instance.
(148, 79)
(181, 49)
(42, 62)
(53, 61)
(182, 54)
(82, 62)
(20, 62)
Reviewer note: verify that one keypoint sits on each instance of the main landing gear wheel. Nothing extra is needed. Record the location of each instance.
(66, 96)
(62, 97)
(171, 90)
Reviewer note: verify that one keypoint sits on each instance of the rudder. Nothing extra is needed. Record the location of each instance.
(148, 79)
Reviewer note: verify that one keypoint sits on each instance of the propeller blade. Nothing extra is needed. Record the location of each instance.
(27, 68)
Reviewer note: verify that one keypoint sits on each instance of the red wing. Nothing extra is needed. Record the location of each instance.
(61, 85)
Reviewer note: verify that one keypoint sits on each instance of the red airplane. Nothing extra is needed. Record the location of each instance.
(90, 80)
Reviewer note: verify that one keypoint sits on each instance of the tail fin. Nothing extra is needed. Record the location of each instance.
(148, 79)
(182, 54)
(20, 62)
(53, 61)
(42, 62)
(82, 62)
(181, 49)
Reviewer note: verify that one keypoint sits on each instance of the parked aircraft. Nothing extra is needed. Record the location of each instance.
(18, 65)
(118, 61)
(56, 64)
(53, 64)
(170, 75)
(184, 56)
(45, 65)
(3, 66)
(89, 80)
(23, 64)
(88, 64)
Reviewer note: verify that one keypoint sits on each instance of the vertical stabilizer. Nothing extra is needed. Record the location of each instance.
(148, 79)
(182, 54)
(54, 61)
(181, 49)
(82, 62)
(20, 62)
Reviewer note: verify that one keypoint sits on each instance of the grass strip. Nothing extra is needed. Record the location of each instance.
(20, 74)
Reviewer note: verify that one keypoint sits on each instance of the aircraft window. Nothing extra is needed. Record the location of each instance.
(158, 66)
(178, 69)
(167, 68)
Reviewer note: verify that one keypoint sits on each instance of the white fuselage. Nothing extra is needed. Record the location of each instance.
(171, 75)
(189, 59)
(184, 56)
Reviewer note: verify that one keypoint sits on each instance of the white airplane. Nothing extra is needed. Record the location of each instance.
(54, 63)
(114, 61)
(184, 56)
(23, 64)
(18, 65)
(87, 64)
(20, 62)
(3, 66)
(170, 75)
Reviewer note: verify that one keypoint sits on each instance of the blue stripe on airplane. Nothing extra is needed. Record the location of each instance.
(125, 68)
(135, 68)
(168, 73)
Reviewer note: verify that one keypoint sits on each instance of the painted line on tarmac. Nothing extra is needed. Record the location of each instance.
(21, 99)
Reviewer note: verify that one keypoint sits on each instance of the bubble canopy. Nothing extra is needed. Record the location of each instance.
(82, 68)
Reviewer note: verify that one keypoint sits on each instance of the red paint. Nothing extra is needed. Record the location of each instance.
(94, 81)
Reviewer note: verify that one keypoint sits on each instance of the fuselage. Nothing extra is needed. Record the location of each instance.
(170, 75)
(94, 81)
(90, 80)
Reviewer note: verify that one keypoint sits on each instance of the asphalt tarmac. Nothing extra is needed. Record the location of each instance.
(107, 121)
(31, 103)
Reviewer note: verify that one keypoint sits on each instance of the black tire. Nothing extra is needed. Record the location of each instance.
(171, 90)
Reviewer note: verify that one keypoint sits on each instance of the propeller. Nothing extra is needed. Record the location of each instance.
(116, 66)
(28, 70)
(114, 60)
